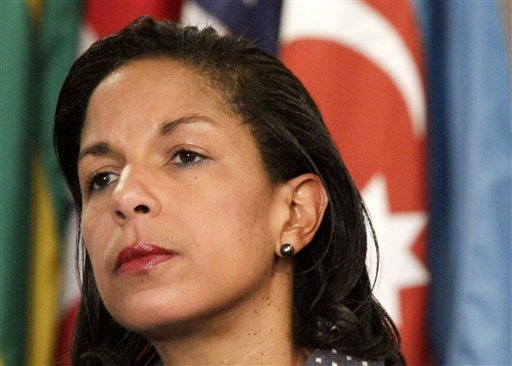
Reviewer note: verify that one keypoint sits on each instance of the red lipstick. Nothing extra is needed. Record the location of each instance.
(140, 257)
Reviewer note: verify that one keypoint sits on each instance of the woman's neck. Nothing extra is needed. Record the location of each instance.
(257, 331)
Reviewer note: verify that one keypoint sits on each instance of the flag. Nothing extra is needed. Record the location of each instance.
(100, 18)
(362, 63)
(31, 185)
(105, 17)
(471, 182)
(16, 121)
(57, 44)
(255, 20)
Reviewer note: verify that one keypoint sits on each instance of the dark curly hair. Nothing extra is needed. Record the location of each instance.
(333, 302)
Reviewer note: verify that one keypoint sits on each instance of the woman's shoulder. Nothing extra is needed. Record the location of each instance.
(331, 357)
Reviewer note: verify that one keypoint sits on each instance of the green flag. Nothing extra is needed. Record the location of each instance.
(35, 57)
(16, 146)
(57, 49)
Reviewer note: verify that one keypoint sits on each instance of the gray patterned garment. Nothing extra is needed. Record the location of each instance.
(323, 357)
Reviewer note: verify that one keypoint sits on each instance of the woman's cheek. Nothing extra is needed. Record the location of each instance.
(94, 234)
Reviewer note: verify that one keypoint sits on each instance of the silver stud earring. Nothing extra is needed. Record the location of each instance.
(287, 250)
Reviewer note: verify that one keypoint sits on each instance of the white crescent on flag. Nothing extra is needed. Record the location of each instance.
(360, 27)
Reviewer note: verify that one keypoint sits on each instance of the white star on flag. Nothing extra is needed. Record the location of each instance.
(396, 234)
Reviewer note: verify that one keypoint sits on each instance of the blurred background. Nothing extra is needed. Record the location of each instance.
(416, 94)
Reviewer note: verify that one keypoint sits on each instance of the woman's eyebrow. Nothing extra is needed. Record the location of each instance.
(96, 149)
(168, 127)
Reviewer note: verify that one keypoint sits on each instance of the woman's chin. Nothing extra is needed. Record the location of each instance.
(152, 319)
(140, 316)
(160, 329)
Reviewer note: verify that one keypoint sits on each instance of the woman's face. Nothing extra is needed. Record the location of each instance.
(179, 218)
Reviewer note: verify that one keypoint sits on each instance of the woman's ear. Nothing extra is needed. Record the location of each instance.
(306, 204)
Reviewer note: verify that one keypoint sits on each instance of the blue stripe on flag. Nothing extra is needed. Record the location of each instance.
(252, 19)
(471, 168)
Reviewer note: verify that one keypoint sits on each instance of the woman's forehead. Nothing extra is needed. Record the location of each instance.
(154, 88)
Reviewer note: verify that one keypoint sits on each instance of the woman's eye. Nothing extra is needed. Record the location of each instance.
(186, 157)
(101, 181)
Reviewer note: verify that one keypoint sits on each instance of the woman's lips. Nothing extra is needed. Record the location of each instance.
(140, 257)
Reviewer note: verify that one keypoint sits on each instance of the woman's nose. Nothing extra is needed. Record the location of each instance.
(132, 196)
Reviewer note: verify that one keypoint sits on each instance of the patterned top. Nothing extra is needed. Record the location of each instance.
(323, 357)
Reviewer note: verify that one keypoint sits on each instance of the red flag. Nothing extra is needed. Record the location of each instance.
(100, 19)
(361, 61)
(109, 16)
